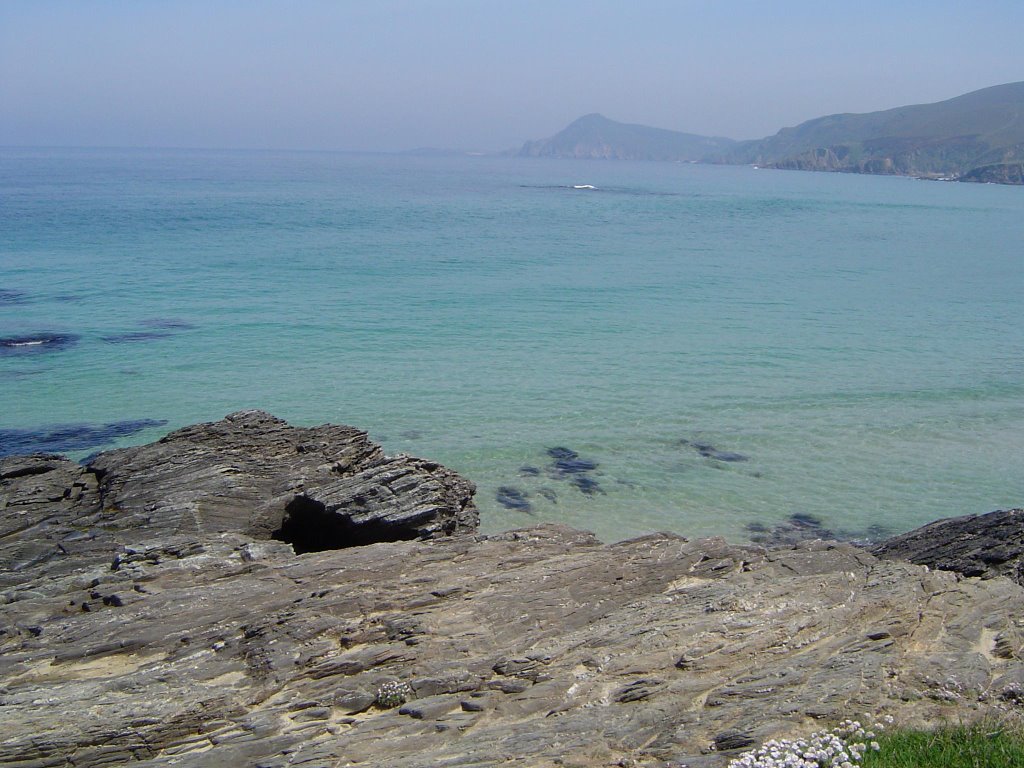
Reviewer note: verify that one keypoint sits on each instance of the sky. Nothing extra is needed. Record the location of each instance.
(387, 75)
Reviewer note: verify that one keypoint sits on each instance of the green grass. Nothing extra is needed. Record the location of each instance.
(983, 745)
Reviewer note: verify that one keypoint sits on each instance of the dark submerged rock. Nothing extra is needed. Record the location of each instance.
(573, 466)
(167, 324)
(567, 465)
(725, 456)
(802, 526)
(548, 494)
(798, 527)
(513, 498)
(562, 453)
(805, 520)
(708, 451)
(36, 343)
(158, 328)
(135, 336)
(12, 297)
(59, 438)
(586, 485)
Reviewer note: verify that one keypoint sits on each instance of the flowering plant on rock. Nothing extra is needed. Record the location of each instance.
(842, 747)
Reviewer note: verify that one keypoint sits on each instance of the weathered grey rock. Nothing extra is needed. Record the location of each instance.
(573, 648)
(254, 473)
(974, 545)
(316, 488)
(173, 632)
(49, 510)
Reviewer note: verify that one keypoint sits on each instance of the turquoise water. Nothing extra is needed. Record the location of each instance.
(859, 340)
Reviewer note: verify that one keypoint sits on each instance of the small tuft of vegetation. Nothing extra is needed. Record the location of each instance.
(981, 745)
(985, 744)
(392, 694)
(844, 746)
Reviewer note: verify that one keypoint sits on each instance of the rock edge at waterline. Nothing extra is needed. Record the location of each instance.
(156, 612)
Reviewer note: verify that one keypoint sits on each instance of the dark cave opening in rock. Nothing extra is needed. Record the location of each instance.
(310, 527)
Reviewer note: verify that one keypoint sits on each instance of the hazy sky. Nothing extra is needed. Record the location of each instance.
(398, 74)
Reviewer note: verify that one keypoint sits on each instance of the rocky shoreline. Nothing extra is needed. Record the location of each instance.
(242, 592)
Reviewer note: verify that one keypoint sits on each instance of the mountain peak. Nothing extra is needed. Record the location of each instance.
(593, 117)
(595, 136)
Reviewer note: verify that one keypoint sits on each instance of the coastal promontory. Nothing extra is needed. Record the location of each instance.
(975, 137)
(245, 592)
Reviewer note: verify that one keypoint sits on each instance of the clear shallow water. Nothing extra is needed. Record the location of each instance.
(859, 339)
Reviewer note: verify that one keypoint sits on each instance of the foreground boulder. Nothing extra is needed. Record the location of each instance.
(165, 628)
(316, 488)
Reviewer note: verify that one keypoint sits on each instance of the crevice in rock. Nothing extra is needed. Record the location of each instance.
(310, 527)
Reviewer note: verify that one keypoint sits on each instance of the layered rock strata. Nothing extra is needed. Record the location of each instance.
(146, 623)
(973, 545)
(316, 488)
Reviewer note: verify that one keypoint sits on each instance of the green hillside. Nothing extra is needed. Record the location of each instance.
(597, 137)
(949, 138)
(975, 137)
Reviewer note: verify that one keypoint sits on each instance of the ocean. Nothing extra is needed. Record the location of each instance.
(622, 347)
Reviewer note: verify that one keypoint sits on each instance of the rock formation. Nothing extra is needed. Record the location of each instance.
(155, 612)
(974, 545)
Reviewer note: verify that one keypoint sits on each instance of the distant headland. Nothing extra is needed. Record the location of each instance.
(976, 137)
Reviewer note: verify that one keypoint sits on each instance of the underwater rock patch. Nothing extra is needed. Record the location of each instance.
(69, 437)
(167, 324)
(133, 336)
(798, 527)
(513, 498)
(802, 526)
(586, 485)
(574, 466)
(562, 453)
(709, 451)
(567, 465)
(568, 462)
(159, 328)
(12, 297)
(35, 343)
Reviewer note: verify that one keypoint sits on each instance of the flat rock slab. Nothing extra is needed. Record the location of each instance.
(226, 651)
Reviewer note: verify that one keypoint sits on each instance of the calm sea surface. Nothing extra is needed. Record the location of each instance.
(728, 346)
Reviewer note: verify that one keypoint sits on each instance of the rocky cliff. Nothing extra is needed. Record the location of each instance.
(187, 603)
(996, 173)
